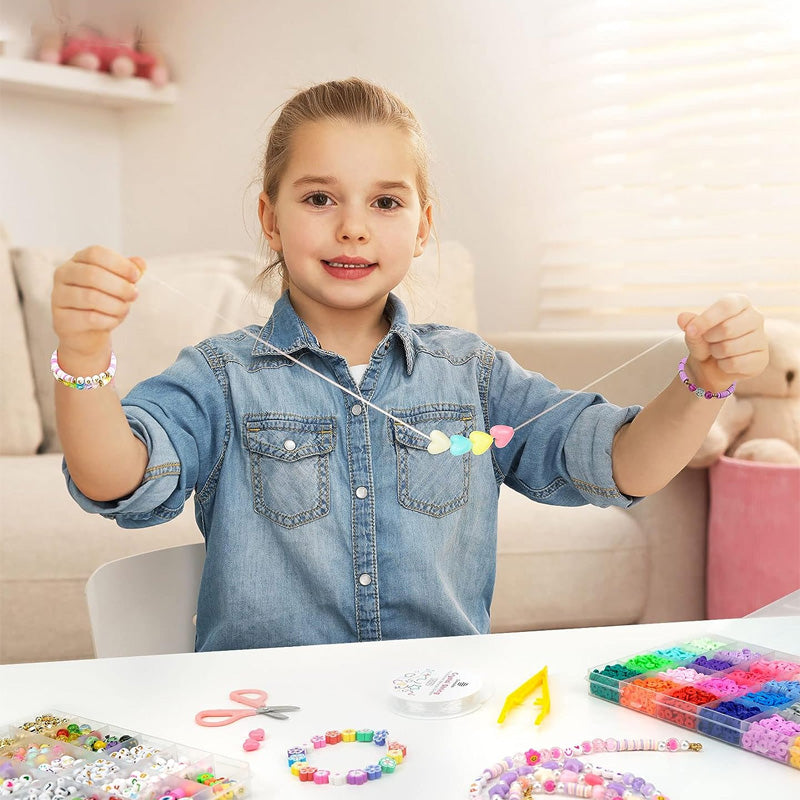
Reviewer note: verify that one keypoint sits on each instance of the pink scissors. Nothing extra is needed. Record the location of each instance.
(255, 698)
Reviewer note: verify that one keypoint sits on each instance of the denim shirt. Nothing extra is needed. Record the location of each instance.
(324, 520)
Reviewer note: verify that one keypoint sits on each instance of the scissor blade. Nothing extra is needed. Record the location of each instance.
(276, 711)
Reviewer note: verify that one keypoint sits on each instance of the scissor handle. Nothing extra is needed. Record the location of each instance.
(255, 698)
(223, 716)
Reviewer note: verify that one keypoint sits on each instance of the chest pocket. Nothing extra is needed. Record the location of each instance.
(434, 485)
(290, 466)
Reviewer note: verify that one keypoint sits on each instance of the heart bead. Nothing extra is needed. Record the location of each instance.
(503, 434)
(481, 442)
(257, 734)
(440, 443)
(250, 745)
(459, 445)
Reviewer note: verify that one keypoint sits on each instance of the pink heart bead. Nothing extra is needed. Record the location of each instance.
(503, 434)
(257, 734)
(251, 744)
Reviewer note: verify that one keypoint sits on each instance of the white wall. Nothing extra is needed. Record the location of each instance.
(467, 67)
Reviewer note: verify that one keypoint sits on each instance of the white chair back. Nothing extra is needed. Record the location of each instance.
(146, 604)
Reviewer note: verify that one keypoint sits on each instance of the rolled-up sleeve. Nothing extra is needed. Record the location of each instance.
(180, 416)
(564, 456)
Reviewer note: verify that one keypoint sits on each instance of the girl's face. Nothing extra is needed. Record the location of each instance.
(347, 219)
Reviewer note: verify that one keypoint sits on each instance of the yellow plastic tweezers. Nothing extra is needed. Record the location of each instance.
(517, 697)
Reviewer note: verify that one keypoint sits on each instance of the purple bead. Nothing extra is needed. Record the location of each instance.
(509, 777)
(356, 777)
(637, 784)
(498, 790)
(627, 778)
(573, 764)
(616, 786)
(525, 769)
(551, 764)
(648, 789)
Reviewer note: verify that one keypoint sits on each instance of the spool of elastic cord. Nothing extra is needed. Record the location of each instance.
(437, 693)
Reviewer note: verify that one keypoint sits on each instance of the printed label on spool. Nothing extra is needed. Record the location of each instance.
(436, 692)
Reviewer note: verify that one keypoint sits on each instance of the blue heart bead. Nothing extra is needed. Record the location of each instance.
(459, 445)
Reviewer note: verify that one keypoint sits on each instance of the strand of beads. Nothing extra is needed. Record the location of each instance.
(558, 770)
(299, 766)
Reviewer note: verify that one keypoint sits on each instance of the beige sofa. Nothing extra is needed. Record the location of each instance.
(556, 567)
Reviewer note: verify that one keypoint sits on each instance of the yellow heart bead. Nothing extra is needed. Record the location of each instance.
(481, 442)
(440, 443)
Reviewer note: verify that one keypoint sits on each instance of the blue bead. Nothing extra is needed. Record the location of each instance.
(460, 445)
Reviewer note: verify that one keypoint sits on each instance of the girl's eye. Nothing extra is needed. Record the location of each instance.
(387, 203)
(318, 199)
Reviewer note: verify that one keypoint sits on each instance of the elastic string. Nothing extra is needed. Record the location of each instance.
(380, 410)
(597, 380)
(299, 363)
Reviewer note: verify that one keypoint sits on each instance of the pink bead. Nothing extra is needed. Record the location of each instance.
(251, 744)
(673, 744)
(599, 793)
(568, 776)
(592, 780)
(257, 734)
(549, 786)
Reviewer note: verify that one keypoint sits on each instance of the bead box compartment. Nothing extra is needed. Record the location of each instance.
(46, 768)
(739, 693)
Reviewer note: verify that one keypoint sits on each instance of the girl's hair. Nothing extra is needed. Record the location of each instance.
(353, 100)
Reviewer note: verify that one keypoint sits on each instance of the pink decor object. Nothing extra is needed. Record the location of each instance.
(753, 535)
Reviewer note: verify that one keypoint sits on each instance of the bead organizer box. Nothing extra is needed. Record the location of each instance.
(57, 754)
(742, 694)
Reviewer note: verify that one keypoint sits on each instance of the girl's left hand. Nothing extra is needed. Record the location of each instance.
(726, 343)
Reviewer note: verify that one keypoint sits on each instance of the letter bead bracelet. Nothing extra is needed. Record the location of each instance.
(88, 382)
(704, 393)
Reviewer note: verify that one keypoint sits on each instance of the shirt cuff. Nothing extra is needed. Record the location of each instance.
(588, 453)
(147, 505)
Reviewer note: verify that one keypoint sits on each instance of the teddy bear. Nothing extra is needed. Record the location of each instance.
(88, 49)
(761, 421)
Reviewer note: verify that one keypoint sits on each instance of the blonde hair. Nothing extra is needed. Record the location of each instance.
(353, 100)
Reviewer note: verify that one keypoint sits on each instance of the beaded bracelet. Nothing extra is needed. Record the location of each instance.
(704, 393)
(298, 758)
(557, 770)
(90, 381)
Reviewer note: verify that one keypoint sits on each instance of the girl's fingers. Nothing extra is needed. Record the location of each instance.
(82, 298)
(720, 314)
(740, 346)
(110, 261)
(92, 276)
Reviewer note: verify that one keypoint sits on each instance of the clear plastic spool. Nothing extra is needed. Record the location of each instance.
(437, 692)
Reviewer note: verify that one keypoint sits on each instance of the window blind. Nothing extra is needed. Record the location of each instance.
(671, 159)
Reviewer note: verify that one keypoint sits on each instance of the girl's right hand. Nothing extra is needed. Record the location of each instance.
(92, 295)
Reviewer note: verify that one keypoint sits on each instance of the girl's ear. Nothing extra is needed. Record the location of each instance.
(424, 231)
(269, 222)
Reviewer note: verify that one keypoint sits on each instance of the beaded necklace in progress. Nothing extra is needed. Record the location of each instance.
(477, 442)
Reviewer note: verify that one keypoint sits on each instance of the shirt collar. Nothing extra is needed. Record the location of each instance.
(286, 332)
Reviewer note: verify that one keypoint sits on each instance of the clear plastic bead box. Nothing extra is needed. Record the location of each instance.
(739, 693)
(167, 766)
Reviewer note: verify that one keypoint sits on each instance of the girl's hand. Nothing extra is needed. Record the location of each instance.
(92, 294)
(726, 343)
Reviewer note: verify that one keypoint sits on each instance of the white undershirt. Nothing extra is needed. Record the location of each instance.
(357, 371)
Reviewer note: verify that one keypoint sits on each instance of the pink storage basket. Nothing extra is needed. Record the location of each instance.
(753, 536)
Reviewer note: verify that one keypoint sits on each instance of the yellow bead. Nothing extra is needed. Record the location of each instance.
(348, 735)
(397, 755)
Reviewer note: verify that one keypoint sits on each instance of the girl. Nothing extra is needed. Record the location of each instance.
(324, 519)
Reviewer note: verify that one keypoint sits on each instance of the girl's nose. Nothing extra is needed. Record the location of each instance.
(352, 228)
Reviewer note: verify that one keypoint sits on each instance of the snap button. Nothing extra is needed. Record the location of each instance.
(356, 410)
(289, 445)
(365, 579)
(361, 492)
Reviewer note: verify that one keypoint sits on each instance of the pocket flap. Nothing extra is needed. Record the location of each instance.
(289, 438)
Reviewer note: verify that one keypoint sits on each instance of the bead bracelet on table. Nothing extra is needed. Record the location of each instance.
(386, 765)
(558, 770)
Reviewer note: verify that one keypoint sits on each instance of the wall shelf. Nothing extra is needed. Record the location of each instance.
(71, 84)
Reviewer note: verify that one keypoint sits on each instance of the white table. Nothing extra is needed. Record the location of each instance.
(340, 686)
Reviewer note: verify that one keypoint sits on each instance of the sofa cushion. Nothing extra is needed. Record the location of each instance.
(185, 298)
(567, 567)
(20, 423)
(212, 297)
